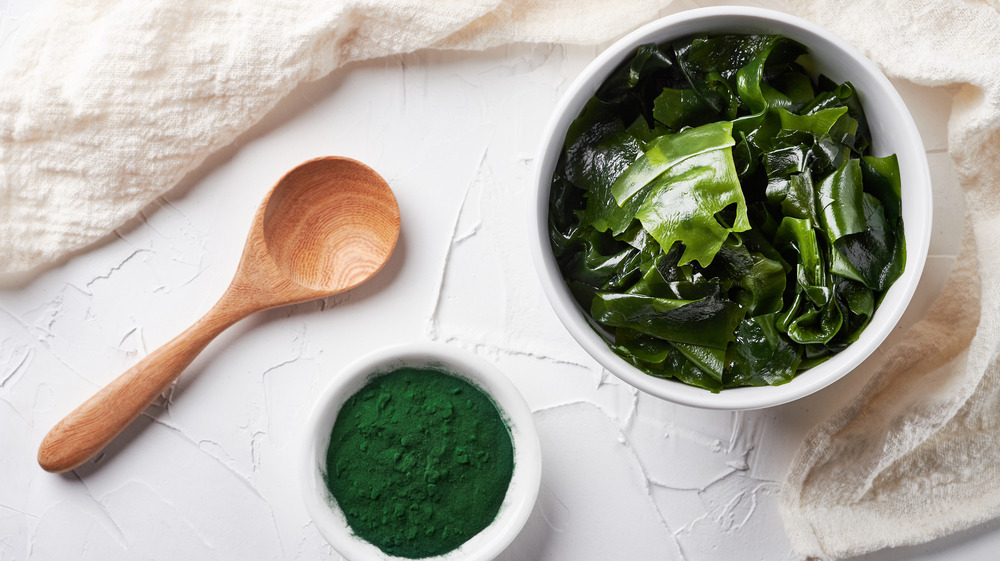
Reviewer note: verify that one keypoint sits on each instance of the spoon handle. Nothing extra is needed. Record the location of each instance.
(95, 423)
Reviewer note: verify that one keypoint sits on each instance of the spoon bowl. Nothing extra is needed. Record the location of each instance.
(313, 233)
(327, 226)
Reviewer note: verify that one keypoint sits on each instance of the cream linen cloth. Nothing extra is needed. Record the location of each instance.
(108, 104)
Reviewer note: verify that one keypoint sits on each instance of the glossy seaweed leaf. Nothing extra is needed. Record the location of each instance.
(648, 349)
(816, 324)
(666, 152)
(683, 206)
(795, 195)
(757, 95)
(564, 202)
(761, 355)
(674, 365)
(688, 372)
(593, 258)
(709, 321)
(653, 350)
(877, 254)
(810, 272)
(649, 60)
(881, 179)
(844, 95)
(839, 199)
(709, 360)
(711, 64)
(599, 155)
(676, 108)
(761, 279)
(791, 90)
(857, 303)
(817, 124)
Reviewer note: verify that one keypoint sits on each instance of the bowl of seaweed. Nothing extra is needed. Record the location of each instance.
(731, 208)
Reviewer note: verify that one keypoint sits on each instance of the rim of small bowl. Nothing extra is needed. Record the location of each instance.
(525, 480)
(893, 131)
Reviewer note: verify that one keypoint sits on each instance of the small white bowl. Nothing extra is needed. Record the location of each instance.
(893, 131)
(521, 493)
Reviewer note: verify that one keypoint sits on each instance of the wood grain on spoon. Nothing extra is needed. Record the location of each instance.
(327, 226)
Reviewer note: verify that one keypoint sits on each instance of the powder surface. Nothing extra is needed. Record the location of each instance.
(419, 462)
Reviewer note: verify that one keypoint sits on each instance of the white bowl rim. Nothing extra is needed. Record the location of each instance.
(917, 209)
(525, 481)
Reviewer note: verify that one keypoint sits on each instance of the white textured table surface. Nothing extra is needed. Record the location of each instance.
(209, 471)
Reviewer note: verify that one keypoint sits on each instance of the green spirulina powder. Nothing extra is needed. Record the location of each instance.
(419, 462)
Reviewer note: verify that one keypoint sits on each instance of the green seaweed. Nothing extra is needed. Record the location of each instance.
(717, 210)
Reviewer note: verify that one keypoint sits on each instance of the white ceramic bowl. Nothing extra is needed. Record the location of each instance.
(893, 131)
(521, 494)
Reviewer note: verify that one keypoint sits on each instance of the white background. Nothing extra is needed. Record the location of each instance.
(209, 471)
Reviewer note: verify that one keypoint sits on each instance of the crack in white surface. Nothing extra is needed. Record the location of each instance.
(547, 515)
(633, 411)
(240, 477)
(255, 449)
(496, 350)
(114, 269)
(45, 338)
(10, 368)
(432, 323)
(28, 422)
(119, 535)
(569, 434)
(245, 480)
(664, 485)
(713, 444)
(300, 343)
(18, 511)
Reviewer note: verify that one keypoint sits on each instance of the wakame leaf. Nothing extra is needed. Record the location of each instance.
(785, 161)
(676, 108)
(708, 322)
(667, 151)
(756, 135)
(840, 204)
(644, 347)
(881, 179)
(599, 155)
(668, 359)
(817, 124)
(844, 95)
(761, 278)
(711, 361)
(791, 90)
(761, 355)
(682, 206)
(711, 65)
(753, 92)
(878, 253)
(816, 325)
(858, 305)
(564, 202)
(811, 278)
(796, 195)
(676, 365)
(596, 259)
(648, 59)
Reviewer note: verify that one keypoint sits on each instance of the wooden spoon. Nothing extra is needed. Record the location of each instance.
(327, 226)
